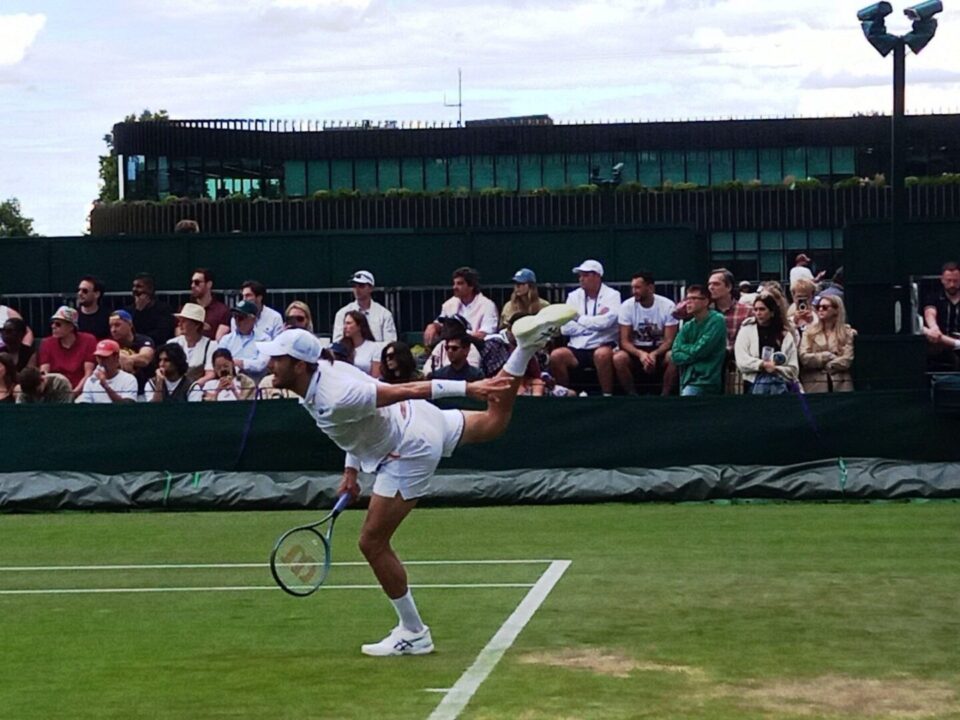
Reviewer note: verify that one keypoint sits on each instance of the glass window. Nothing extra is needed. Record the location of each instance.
(818, 161)
(388, 173)
(366, 175)
(838, 239)
(482, 172)
(821, 239)
(341, 175)
(507, 171)
(843, 162)
(771, 265)
(673, 166)
(721, 166)
(771, 240)
(295, 178)
(747, 240)
(458, 170)
(436, 174)
(698, 167)
(771, 168)
(721, 242)
(795, 163)
(795, 239)
(411, 170)
(531, 176)
(649, 169)
(554, 171)
(318, 176)
(578, 169)
(745, 165)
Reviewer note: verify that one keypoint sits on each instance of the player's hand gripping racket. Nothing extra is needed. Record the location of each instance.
(300, 560)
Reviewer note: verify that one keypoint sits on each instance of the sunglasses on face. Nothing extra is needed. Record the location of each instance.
(296, 318)
(390, 356)
(59, 323)
(83, 291)
(196, 282)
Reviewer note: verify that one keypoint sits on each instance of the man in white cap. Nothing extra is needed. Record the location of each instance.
(108, 383)
(379, 318)
(392, 430)
(593, 335)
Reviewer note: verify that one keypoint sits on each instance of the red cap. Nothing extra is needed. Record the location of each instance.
(106, 348)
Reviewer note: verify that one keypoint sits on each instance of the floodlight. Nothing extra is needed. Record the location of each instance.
(924, 11)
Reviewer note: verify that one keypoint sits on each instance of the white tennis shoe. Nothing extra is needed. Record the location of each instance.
(401, 641)
(535, 330)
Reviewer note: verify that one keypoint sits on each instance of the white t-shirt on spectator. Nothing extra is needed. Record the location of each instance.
(648, 323)
(800, 272)
(481, 313)
(122, 383)
(200, 354)
(196, 392)
(378, 317)
(366, 354)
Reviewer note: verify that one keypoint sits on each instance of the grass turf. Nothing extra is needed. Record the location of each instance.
(689, 611)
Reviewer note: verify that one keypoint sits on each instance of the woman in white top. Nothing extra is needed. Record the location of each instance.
(366, 350)
(765, 349)
(228, 383)
(196, 346)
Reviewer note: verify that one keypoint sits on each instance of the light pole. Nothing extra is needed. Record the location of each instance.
(872, 20)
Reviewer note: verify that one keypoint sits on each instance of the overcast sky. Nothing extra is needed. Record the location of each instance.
(70, 69)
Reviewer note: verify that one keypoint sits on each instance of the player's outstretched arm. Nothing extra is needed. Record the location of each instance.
(427, 389)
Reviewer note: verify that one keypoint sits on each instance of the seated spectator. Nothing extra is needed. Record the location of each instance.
(647, 329)
(93, 316)
(228, 383)
(269, 323)
(39, 387)
(6, 313)
(108, 383)
(67, 351)
(454, 326)
(151, 317)
(801, 270)
(458, 368)
(800, 312)
(766, 351)
(171, 384)
(366, 351)
(136, 350)
(197, 347)
(242, 342)
(298, 315)
(469, 303)
(339, 351)
(593, 335)
(835, 288)
(266, 390)
(216, 314)
(826, 349)
(525, 297)
(378, 317)
(700, 349)
(941, 319)
(13, 335)
(397, 364)
(8, 378)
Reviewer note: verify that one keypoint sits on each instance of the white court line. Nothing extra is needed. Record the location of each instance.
(203, 566)
(245, 588)
(456, 700)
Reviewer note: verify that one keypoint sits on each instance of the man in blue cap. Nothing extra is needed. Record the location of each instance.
(136, 350)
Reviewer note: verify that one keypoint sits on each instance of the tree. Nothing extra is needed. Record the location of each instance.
(109, 179)
(12, 223)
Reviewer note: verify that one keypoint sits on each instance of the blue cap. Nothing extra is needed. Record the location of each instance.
(123, 315)
(524, 275)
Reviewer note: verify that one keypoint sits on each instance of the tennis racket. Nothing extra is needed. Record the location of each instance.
(300, 559)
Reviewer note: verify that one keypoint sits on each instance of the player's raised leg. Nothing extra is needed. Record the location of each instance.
(532, 333)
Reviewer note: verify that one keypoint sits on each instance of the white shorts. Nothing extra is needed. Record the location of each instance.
(431, 434)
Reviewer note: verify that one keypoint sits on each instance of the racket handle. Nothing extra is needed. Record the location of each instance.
(341, 505)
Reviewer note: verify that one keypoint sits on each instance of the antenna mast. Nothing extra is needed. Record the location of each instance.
(459, 103)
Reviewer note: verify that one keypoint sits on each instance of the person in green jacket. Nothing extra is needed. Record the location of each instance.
(700, 347)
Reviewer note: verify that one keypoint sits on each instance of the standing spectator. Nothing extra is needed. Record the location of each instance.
(525, 298)
(747, 294)
(826, 349)
(593, 335)
(171, 384)
(378, 317)
(941, 319)
(217, 315)
(94, 317)
(836, 285)
(151, 317)
(759, 341)
(269, 322)
(197, 347)
(67, 351)
(6, 313)
(720, 285)
(397, 364)
(108, 383)
(228, 383)
(800, 312)
(366, 350)
(801, 270)
(242, 342)
(458, 367)
(8, 378)
(12, 334)
(647, 330)
(468, 302)
(298, 315)
(39, 387)
(136, 350)
(700, 348)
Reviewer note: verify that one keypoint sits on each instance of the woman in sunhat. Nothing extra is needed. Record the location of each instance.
(196, 346)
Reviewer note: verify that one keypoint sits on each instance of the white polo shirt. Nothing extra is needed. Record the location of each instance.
(481, 313)
(597, 324)
(380, 319)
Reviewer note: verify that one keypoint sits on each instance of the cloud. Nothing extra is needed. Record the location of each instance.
(17, 33)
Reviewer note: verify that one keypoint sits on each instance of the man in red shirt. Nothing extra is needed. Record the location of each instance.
(201, 293)
(68, 351)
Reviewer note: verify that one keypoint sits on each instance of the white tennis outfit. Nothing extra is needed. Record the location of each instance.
(402, 443)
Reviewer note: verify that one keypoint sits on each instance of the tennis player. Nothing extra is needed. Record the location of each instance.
(392, 430)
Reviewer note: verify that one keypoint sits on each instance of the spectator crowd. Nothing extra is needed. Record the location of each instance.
(721, 337)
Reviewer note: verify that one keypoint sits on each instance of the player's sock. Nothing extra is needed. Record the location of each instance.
(407, 612)
(516, 364)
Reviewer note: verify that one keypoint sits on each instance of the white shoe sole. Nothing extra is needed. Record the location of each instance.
(535, 330)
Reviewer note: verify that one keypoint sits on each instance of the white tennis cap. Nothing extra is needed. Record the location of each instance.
(589, 266)
(295, 342)
(364, 277)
